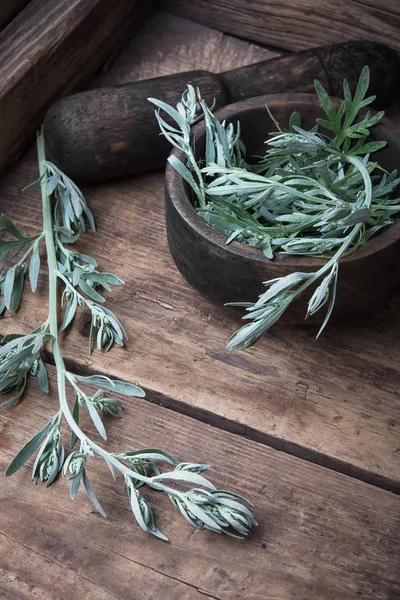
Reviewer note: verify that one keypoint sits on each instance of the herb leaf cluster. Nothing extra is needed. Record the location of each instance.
(65, 213)
(314, 193)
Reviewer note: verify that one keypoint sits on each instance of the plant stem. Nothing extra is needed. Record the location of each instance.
(354, 232)
(52, 268)
(27, 253)
(62, 374)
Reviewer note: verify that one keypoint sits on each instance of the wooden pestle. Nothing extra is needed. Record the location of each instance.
(112, 132)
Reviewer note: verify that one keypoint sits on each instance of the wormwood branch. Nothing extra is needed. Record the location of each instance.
(64, 214)
(314, 193)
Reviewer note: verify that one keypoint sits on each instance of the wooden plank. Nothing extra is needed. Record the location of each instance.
(9, 9)
(333, 401)
(169, 44)
(336, 397)
(321, 534)
(297, 24)
(52, 48)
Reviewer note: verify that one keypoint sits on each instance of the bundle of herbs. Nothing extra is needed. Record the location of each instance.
(314, 193)
(65, 214)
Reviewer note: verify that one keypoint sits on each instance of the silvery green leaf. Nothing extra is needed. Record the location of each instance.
(13, 362)
(10, 341)
(201, 515)
(8, 382)
(10, 227)
(75, 415)
(110, 466)
(43, 377)
(30, 448)
(70, 311)
(67, 462)
(9, 285)
(18, 288)
(236, 523)
(94, 415)
(233, 504)
(276, 286)
(181, 506)
(87, 259)
(210, 148)
(150, 454)
(359, 216)
(115, 323)
(91, 495)
(74, 485)
(45, 452)
(192, 467)
(143, 513)
(184, 172)
(267, 249)
(104, 278)
(8, 245)
(247, 335)
(234, 235)
(52, 183)
(172, 112)
(57, 465)
(38, 343)
(119, 387)
(15, 399)
(331, 304)
(91, 292)
(321, 294)
(221, 494)
(113, 279)
(294, 120)
(362, 86)
(76, 275)
(185, 477)
(34, 184)
(369, 148)
(34, 267)
(166, 126)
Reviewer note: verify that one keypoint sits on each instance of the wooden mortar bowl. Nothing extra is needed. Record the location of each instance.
(235, 272)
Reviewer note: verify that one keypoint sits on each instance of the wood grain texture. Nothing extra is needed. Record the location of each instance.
(297, 24)
(9, 9)
(111, 132)
(336, 398)
(321, 535)
(168, 44)
(51, 48)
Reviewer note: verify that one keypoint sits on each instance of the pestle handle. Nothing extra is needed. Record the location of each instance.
(107, 133)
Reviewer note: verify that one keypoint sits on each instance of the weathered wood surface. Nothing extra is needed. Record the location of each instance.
(337, 397)
(52, 48)
(321, 535)
(297, 24)
(10, 8)
(169, 44)
(111, 132)
(334, 401)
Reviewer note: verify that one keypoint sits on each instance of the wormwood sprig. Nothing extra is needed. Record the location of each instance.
(64, 214)
(314, 193)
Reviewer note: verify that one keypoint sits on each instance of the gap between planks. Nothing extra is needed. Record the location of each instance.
(320, 535)
(229, 425)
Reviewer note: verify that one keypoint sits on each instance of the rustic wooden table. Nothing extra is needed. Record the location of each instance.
(309, 430)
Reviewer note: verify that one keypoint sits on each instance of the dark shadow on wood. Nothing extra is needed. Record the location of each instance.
(205, 416)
